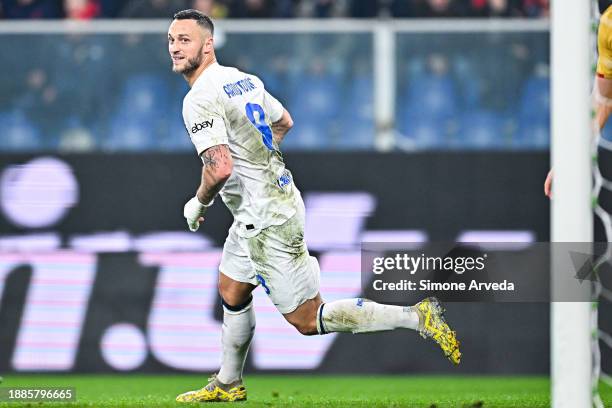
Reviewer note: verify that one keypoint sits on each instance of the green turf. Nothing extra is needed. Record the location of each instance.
(302, 390)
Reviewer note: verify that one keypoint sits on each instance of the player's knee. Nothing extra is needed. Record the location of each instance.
(233, 292)
(232, 300)
(224, 291)
(237, 308)
(304, 318)
(307, 328)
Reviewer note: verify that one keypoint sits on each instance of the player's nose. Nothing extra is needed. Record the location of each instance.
(173, 47)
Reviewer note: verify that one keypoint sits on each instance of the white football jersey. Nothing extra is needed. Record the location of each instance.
(227, 106)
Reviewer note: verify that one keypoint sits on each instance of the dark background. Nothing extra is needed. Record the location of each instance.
(441, 193)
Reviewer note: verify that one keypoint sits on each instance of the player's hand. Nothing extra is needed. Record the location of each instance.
(193, 213)
(548, 184)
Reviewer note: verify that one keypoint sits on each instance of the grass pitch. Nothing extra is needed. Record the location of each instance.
(302, 391)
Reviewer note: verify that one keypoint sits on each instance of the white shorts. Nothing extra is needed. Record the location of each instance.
(277, 259)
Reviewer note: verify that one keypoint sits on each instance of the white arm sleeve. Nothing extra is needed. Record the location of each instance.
(204, 120)
(273, 107)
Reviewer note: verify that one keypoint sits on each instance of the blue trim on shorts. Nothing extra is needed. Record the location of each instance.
(262, 281)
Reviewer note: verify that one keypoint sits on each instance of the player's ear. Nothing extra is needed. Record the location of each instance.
(208, 44)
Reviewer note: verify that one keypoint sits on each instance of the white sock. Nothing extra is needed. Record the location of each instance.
(236, 334)
(363, 316)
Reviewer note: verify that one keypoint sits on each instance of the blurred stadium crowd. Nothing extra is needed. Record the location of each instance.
(115, 92)
(87, 9)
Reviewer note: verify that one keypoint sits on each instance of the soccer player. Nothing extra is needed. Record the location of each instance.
(602, 89)
(237, 127)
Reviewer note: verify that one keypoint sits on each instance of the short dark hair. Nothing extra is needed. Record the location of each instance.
(202, 19)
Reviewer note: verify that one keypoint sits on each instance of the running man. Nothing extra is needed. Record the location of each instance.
(237, 127)
(602, 89)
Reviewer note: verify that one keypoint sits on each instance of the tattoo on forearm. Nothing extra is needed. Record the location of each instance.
(214, 158)
(216, 155)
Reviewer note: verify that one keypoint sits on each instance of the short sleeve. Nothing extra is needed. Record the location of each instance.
(204, 121)
(273, 107)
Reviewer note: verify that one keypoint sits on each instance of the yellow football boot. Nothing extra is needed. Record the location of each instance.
(216, 391)
(432, 325)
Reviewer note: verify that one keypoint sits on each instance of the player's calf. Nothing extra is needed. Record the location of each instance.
(238, 327)
(304, 318)
(363, 316)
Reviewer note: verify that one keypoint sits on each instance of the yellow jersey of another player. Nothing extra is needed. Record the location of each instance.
(604, 45)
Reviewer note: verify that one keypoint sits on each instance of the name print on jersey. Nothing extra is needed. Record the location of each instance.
(238, 88)
(199, 126)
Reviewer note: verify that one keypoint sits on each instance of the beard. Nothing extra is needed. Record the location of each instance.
(192, 64)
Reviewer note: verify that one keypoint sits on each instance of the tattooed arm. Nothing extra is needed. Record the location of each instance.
(217, 169)
(281, 127)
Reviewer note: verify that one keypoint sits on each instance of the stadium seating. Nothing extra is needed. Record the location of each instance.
(481, 129)
(534, 113)
(76, 136)
(427, 109)
(423, 133)
(128, 134)
(144, 95)
(431, 96)
(535, 100)
(314, 104)
(308, 136)
(445, 104)
(357, 120)
(469, 84)
(141, 119)
(18, 133)
(176, 137)
(532, 135)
